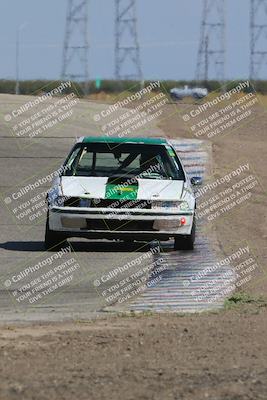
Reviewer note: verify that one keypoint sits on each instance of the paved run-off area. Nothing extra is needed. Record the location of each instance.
(21, 242)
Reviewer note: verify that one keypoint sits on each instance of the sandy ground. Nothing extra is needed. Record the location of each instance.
(218, 356)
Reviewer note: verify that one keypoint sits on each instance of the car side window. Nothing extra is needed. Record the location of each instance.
(70, 163)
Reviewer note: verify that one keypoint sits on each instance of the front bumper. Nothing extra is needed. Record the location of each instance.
(120, 223)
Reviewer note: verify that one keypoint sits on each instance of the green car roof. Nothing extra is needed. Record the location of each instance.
(106, 139)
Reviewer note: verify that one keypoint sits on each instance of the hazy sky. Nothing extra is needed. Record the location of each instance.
(168, 34)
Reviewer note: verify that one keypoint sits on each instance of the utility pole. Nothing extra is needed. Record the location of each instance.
(258, 37)
(206, 75)
(17, 91)
(75, 64)
(19, 29)
(211, 52)
(127, 49)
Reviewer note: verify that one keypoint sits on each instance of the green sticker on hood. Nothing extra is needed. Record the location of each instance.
(121, 192)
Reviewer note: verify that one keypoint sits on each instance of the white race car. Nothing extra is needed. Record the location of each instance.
(126, 189)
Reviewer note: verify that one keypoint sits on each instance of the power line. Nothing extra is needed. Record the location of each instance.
(258, 37)
(127, 49)
(211, 52)
(76, 45)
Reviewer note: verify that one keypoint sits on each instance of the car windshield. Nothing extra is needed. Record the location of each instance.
(129, 159)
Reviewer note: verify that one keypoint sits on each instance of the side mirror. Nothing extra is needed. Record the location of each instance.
(196, 181)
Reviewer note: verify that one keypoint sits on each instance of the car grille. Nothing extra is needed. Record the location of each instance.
(115, 225)
(72, 202)
(108, 203)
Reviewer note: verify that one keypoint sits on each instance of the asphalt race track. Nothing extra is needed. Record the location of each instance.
(23, 161)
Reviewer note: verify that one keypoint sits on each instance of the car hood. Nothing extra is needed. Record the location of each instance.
(146, 189)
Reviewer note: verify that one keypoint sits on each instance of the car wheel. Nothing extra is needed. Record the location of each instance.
(186, 242)
(53, 240)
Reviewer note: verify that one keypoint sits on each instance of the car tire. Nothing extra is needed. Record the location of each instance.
(186, 242)
(53, 240)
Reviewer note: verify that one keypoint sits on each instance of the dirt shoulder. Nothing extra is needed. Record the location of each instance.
(216, 356)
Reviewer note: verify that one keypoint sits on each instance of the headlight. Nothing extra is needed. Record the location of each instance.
(165, 204)
(184, 206)
(85, 202)
(57, 201)
(55, 198)
(177, 205)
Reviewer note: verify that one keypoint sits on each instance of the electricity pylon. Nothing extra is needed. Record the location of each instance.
(127, 49)
(258, 37)
(211, 52)
(76, 44)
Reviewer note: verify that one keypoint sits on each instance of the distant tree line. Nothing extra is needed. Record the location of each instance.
(35, 87)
